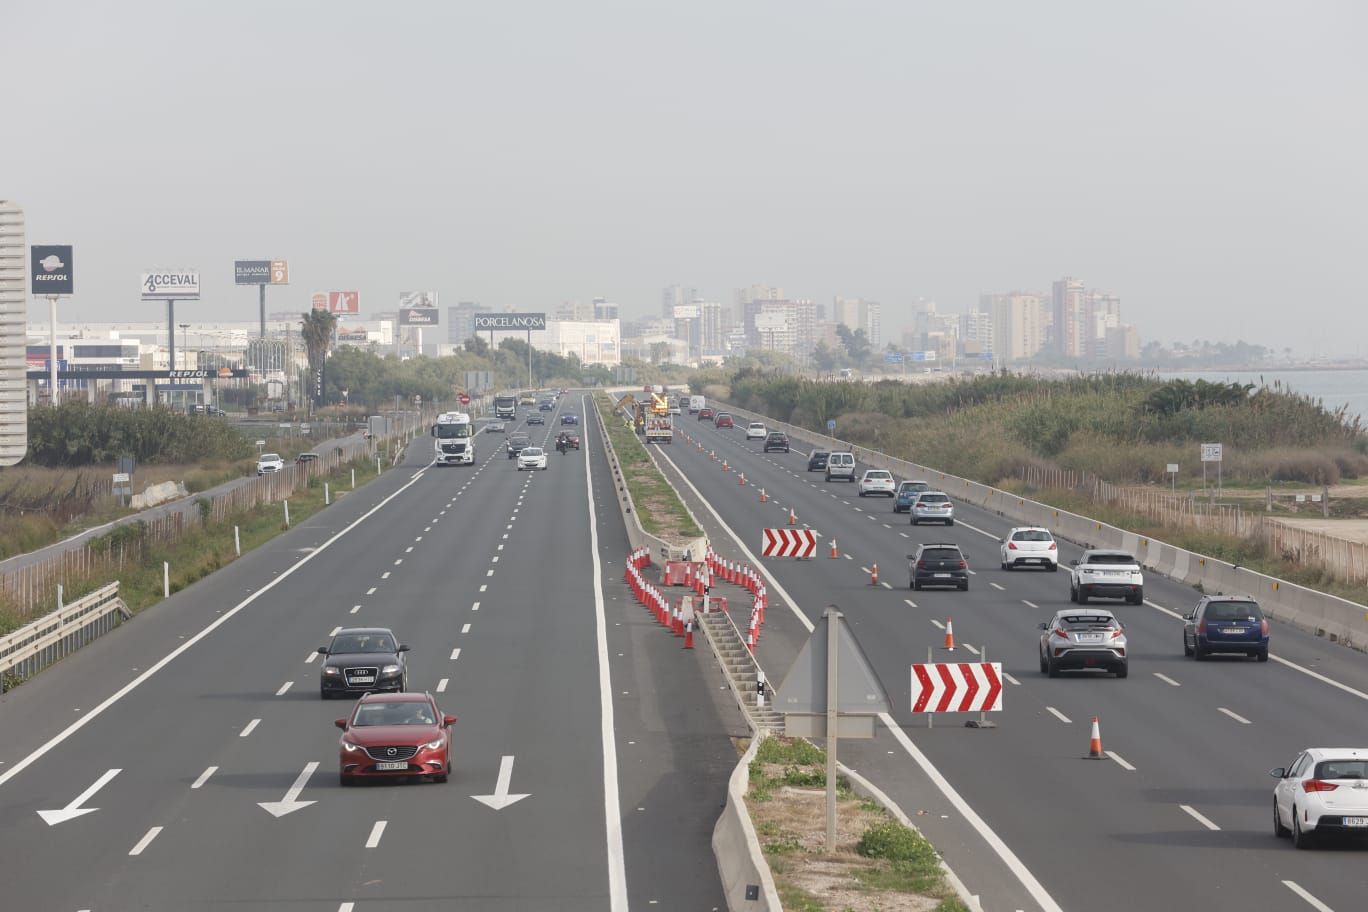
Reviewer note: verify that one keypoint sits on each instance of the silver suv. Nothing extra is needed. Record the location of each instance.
(933, 506)
(1081, 639)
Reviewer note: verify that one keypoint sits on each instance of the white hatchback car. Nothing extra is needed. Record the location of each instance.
(877, 481)
(268, 463)
(755, 430)
(531, 458)
(1324, 791)
(1031, 546)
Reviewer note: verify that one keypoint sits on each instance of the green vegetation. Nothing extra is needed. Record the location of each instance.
(658, 506)
(80, 434)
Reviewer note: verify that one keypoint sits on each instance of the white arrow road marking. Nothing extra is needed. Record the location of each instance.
(501, 799)
(1311, 900)
(1198, 817)
(291, 803)
(74, 809)
(145, 841)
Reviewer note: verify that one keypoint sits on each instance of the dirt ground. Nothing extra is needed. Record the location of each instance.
(1351, 529)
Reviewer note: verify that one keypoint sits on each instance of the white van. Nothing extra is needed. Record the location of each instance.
(696, 403)
(840, 465)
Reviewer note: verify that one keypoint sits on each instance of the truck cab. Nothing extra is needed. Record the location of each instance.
(453, 439)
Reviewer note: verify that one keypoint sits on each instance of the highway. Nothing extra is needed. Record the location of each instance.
(181, 725)
(1177, 816)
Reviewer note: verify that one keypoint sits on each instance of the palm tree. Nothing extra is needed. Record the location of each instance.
(316, 329)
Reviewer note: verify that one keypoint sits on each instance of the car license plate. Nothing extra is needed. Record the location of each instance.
(942, 576)
(1356, 821)
(391, 765)
(361, 679)
(1090, 638)
(1235, 631)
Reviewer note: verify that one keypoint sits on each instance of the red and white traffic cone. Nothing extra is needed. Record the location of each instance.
(679, 620)
(949, 635)
(793, 519)
(725, 467)
(750, 641)
(713, 455)
(741, 479)
(874, 575)
(834, 554)
(688, 634)
(764, 498)
(1095, 742)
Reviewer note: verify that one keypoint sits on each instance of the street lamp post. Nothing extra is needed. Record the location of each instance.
(185, 346)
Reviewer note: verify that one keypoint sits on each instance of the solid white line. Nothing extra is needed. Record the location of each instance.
(441, 685)
(612, 808)
(1122, 763)
(997, 587)
(1167, 680)
(1236, 716)
(1029, 604)
(973, 649)
(1311, 900)
(1059, 715)
(1198, 817)
(376, 832)
(248, 730)
(1010, 679)
(465, 628)
(455, 654)
(145, 841)
(204, 777)
(284, 687)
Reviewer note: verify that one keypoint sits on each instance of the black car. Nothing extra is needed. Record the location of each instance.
(546, 405)
(362, 660)
(817, 461)
(776, 442)
(938, 564)
(536, 418)
(515, 444)
(303, 458)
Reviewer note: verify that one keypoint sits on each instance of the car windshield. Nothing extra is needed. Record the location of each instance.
(532, 451)
(1233, 611)
(447, 431)
(1039, 535)
(912, 487)
(269, 457)
(1342, 769)
(755, 426)
(1089, 622)
(363, 642)
(878, 475)
(1110, 559)
(941, 554)
(405, 712)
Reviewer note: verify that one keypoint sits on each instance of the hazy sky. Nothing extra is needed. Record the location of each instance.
(1207, 161)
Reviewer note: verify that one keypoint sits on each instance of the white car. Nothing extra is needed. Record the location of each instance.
(877, 481)
(1030, 546)
(1106, 574)
(269, 462)
(756, 431)
(494, 427)
(1324, 791)
(531, 458)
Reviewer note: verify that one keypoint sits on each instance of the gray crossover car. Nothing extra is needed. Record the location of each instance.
(1082, 639)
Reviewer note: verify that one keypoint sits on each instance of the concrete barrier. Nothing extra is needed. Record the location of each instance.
(1319, 613)
(740, 860)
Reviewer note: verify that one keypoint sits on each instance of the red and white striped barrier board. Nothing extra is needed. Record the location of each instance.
(790, 543)
(957, 687)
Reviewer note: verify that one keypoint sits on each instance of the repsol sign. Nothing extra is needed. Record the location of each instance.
(506, 321)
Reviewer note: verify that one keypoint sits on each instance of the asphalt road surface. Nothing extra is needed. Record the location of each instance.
(175, 729)
(1178, 816)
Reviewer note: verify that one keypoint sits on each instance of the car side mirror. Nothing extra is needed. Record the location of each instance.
(1043, 625)
(341, 723)
(322, 650)
(1278, 772)
(449, 720)
(403, 648)
(1074, 562)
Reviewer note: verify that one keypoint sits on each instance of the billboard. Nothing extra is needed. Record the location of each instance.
(51, 269)
(338, 302)
(417, 299)
(686, 311)
(771, 322)
(170, 286)
(261, 272)
(507, 321)
(418, 316)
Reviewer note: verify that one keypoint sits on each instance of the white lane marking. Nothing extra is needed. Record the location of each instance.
(1119, 762)
(1167, 680)
(312, 656)
(346, 907)
(335, 631)
(508, 527)
(847, 557)
(1191, 812)
(847, 503)
(612, 809)
(385, 575)
(998, 588)
(858, 510)
(488, 573)
(973, 573)
(910, 603)
(885, 585)
(370, 591)
(904, 535)
(145, 841)
(475, 607)
(1010, 679)
(1310, 900)
(465, 628)
(427, 528)
(1029, 604)
(418, 539)
(1059, 715)
(484, 586)
(398, 561)
(248, 730)
(204, 777)
(495, 558)
(376, 832)
(973, 649)
(887, 526)
(937, 623)
(409, 549)
(864, 569)
(1236, 716)
(501, 547)
(455, 653)
(441, 685)
(355, 608)
(283, 688)
(961, 522)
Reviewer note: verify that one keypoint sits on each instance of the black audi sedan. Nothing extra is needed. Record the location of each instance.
(362, 660)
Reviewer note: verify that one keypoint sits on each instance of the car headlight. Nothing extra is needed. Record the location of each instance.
(350, 748)
(390, 669)
(433, 745)
(331, 670)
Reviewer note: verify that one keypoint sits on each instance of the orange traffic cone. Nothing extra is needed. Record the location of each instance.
(688, 634)
(713, 454)
(725, 467)
(949, 635)
(741, 479)
(834, 555)
(874, 575)
(793, 520)
(764, 498)
(1095, 742)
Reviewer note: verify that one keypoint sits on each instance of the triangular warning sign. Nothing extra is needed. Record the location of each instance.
(858, 689)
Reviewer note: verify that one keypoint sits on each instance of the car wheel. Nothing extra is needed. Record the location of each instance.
(345, 781)
(1262, 654)
(1082, 596)
(862, 493)
(1054, 568)
(1187, 650)
(964, 586)
(1051, 668)
(949, 522)
(1300, 838)
(1005, 565)
(1044, 665)
(1122, 671)
(1198, 650)
(1279, 830)
(916, 585)
(1073, 594)
(324, 695)
(1139, 597)
(913, 521)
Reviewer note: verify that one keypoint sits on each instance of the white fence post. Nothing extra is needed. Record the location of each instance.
(353, 471)
(59, 596)
(237, 541)
(327, 495)
(166, 579)
(286, 502)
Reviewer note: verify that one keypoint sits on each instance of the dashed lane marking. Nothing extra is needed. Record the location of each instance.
(1192, 812)
(1236, 716)
(1059, 715)
(1167, 680)
(1119, 761)
(248, 730)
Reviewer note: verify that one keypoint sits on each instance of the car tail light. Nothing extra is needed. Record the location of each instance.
(921, 565)
(1061, 633)
(1011, 546)
(1053, 546)
(1115, 634)
(1318, 785)
(1201, 626)
(963, 565)
(1263, 627)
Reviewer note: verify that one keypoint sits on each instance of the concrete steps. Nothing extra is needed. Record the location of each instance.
(742, 671)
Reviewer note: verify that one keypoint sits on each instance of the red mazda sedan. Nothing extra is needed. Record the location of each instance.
(403, 734)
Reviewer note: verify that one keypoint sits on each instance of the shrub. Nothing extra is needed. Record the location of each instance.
(892, 840)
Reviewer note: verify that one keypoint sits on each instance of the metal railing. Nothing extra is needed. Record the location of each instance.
(33, 647)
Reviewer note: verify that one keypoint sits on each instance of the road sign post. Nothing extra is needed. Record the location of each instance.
(1173, 477)
(1212, 452)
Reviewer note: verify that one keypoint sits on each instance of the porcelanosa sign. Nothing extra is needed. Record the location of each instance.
(164, 286)
(510, 321)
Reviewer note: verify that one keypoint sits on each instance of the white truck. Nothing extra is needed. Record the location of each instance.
(453, 439)
(696, 403)
(659, 429)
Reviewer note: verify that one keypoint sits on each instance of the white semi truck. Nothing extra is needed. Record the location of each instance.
(453, 439)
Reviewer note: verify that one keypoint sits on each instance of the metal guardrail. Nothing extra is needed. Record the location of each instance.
(33, 647)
